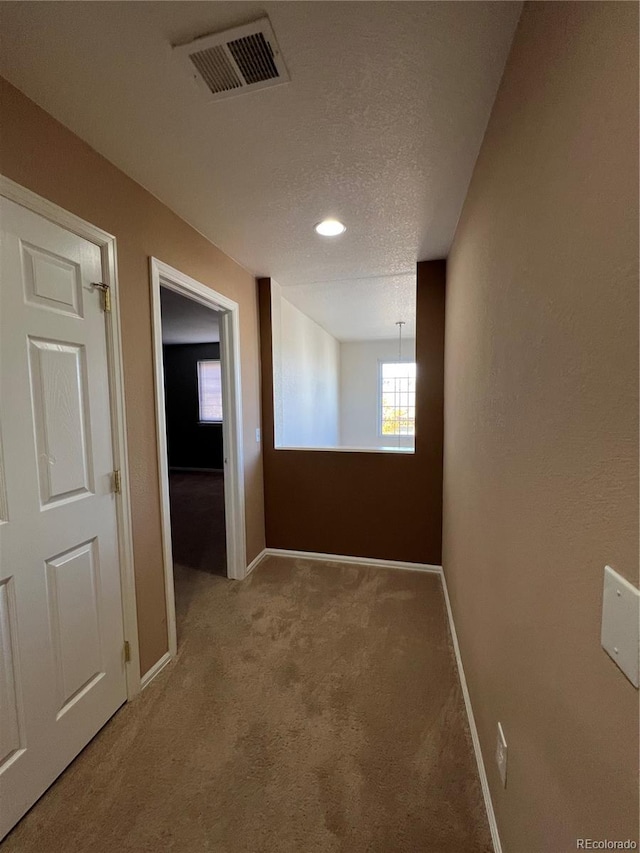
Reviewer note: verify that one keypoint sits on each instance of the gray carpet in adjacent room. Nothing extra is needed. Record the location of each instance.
(198, 536)
(314, 707)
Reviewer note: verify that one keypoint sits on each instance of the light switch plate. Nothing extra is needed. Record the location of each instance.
(621, 623)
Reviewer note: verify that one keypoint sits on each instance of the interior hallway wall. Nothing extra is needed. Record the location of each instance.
(306, 376)
(541, 450)
(44, 156)
(346, 502)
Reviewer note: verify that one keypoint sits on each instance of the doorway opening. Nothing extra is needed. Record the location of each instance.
(194, 416)
(198, 414)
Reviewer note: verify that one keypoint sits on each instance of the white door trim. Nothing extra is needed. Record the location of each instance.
(107, 244)
(166, 276)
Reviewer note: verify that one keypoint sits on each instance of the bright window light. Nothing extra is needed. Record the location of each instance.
(398, 398)
(210, 391)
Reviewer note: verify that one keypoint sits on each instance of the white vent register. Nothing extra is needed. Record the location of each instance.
(239, 60)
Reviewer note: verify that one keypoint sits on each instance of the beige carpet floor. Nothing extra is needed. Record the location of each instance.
(313, 708)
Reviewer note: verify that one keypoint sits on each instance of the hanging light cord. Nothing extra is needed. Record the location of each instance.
(400, 324)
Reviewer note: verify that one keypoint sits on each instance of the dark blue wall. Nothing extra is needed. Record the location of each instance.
(191, 444)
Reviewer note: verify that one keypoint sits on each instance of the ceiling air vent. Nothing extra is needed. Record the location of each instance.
(239, 60)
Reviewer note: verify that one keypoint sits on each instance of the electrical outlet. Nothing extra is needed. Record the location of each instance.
(501, 755)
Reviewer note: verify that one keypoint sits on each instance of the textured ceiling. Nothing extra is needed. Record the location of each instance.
(380, 125)
(187, 322)
(361, 309)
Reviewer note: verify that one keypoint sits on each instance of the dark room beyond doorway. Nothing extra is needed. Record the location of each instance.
(193, 408)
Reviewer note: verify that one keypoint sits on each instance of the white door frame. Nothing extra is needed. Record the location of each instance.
(164, 275)
(107, 245)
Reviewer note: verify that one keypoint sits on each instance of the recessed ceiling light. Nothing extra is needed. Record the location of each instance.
(330, 228)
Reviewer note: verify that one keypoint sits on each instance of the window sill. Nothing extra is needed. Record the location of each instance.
(405, 450)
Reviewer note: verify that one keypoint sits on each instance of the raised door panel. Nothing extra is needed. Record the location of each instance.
(51, 281)
(59, 395)
(4, 508)
(73, 589)
(11, 740)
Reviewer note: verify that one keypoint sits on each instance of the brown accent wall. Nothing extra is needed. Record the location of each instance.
(541, 451)
(382, 505)
(42, 155)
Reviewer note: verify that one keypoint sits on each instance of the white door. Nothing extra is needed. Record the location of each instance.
(62, 671)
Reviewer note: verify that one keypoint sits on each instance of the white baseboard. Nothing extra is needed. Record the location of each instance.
(343, 558)
(482, 773)
(255, 562)
(148, 677)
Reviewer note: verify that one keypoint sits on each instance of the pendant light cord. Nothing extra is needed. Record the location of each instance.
(400, 324)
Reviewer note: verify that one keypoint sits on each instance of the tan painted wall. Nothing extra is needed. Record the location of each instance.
(384, 505)
(541, 424)
(42, 155)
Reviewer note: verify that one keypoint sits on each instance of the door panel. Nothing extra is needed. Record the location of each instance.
(51, 281)
(72, 589)
(10, 731)
(59, 394)
(62, 672)
(4, 509)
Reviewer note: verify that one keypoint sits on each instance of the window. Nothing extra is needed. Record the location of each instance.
(397, 397)
(210, 391)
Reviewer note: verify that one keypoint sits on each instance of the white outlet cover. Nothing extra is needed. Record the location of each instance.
(621, 623)
(501, 755)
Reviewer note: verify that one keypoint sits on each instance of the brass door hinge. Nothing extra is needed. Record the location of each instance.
(127, 651)
(106, 294)
(117, 482)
